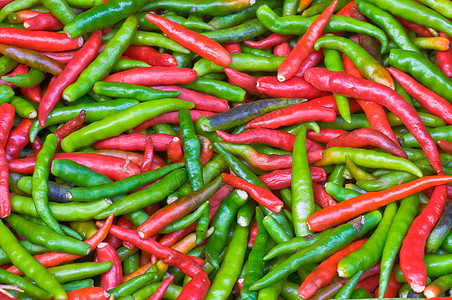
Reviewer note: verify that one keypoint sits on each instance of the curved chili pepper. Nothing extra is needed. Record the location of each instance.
(431, 101)
(135, 142)
(43, 21)
(5, 203)
(324, 135)
(313, 58)
(299, 113)
(444, 58)
(291, 64)
(282, 50)
(153, 76)
(151, 56)
(191, 40)
(88, 293)
(415, 27)
(367, 137)
(412, 250)
(22, 15)
(171, 117)
(334, 81)
(71, 126)
(270, 41)
(18, 139)
(279, 179)
(343, 211)
(274, 138)
(232, 47)
(295, 87)
(243, 80)
(80, 61)
(321, 197)
(113, 277)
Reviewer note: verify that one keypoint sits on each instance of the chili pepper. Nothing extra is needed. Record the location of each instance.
(60, 9)
(275, 230)
(245, 81)
(279, 179)
(417, 13)
(437, 287)
(77, 173)
(22, 15)
(43, 21)
(242, 32)
(71, 126)
(142, 93)
(330, 216)
(153, 75)
(443, 58)
(261, 195)
(171, 117)
(270, 41)
(436, 104)
(321, 197)
(212, 8)
(77, 271)
(432, 43)
(414, 268)
(271, 137)
(135, 142)
(290, 65)
(40, 178)
(18, 139)
(148, 54)
(439, 233)
(113, 277)
(30, 79)
(361, 157)
(23, 107)
(103, 63)
(187, 220)
(32, 58)
(366, 63)
(244, 62)
(294, 114)
(192, 40)
(403, 109)
(437, 134)
(324, 247)
(292, 88)
(217, 88)
(422, 70)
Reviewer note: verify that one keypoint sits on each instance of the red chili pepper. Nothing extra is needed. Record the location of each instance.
(417, 28)
(80, 61)
(123, 222)
(298, 113)
(191, 40)
(148, 155)
(344, 211)
(446, 146)
(321, 197)
(134, 157)
(172, 117)
(260, 194)
(375, 113)
(38, 40)
(162, 288)
(233, 47)
(51, 259)
(325, 134)
(270, 41)
(23, 15)
(345, 11)
(314, 57)
(444, 58)
(432, 102)
(253, 233)
(275, 138)
(36, 146)
(113, 277)
(326, 271)
(32, 93)
(43, 21)
(350, 86)
(88, 293)
(206, 150)
(150, 55)
(243, 80)
(7, 113)
(174, 151)
(72, 125)
(282, 50)
(135, 142)
(365, 137)
(201, 101)
(154, 75)
(412, 251)
(293, 88)
(292, 63)
(196, 288)
(279, 179)
(113, 167)
(18, 139)
(61, 57)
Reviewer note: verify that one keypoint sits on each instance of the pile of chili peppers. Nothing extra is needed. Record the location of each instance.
(222, 149)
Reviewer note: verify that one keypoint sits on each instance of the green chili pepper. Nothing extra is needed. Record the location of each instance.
(187, 220)
(438, 133)
(76, 173)
(153, 194)
(357, 172)
(209, 7)
(141, 93)
(339, 193)
(131, 263)
(6, 93)
(189, 23)
(15, 6)
(30, 79)
(77, 271)
(23, 107)
(239, 33)
(272, 292)
(60, 9)
(298, 25)
(94, 112)
(369, 254)
(78, 284)
(40, 179)
(124, 252)
(43, 235)
(29, 265)
(25, 285)
(416, 12)
(257, 52)
(202, 226)
(229, 271)
(245, 214)
(275, 231)
(120, 122)
(217, 88)
(241, 62)
(441, 230)
(399, 227)
(255, 262)
(294, 244)
(422, 70)
(66, 212)
(121, 186)
(29, 247)
(7, 64)
(132, 285)
(367, 158)
(126, 64)
(360, 293)
(346, 291)
(428, 120)
(68, 231)
(302, 193)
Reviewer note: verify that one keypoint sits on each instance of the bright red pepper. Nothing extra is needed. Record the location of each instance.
(325, 134)
(72, 125)
(279, 179)
(174, 151)
(18, 138)
(314, 57)
(150, 55)
(351, 86)
(113, 277)
(43, 21)
(321, 197)
(88, 293)
(191, 40)
(417, 28)
(270, 41)
(292, 63)
(148, 155)
(282, 50)
(243, 80)
(444, 58)
(154, 75)
(135, 142)
(293, 88)
(162, 288)
(233, 47)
